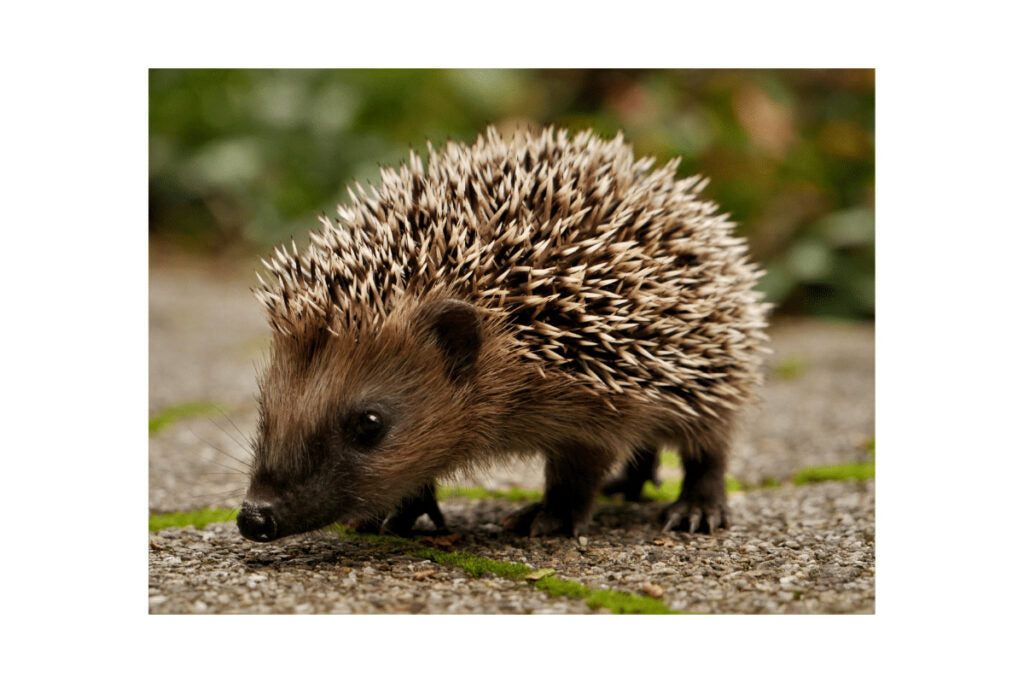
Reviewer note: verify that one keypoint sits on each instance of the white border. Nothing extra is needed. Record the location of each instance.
(949, 241)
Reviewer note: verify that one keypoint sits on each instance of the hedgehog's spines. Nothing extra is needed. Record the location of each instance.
(601, 268)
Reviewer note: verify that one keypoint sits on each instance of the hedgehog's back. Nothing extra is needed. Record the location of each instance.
(620, 276)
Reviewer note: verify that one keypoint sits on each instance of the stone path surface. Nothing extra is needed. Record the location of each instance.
(792, 549)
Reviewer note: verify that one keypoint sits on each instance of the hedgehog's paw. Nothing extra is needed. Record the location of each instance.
(695, 516)
(401, 521)
(537, 519)
(401, 525)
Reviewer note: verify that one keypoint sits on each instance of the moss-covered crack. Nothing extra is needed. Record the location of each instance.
(618, 602)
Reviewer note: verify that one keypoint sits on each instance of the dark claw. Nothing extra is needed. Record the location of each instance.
(694, 518)
(672, 520)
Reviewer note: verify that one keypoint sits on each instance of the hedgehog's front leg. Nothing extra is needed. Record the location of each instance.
(701, 505)
(572, 476)
(401, 521)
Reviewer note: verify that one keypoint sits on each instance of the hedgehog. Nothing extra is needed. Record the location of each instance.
(539, 293)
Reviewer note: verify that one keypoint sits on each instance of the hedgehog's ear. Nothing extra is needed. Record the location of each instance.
(454, 326)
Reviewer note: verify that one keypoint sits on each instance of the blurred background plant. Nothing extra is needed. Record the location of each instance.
(247, 158)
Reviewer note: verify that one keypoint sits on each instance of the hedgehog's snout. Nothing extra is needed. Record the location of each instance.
(256, 521)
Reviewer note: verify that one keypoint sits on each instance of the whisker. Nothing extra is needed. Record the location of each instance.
(208, 473)
(216, 494)
(223, 468)
(247, 465)
(226, 433)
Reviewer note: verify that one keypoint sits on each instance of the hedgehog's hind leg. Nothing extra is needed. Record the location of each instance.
(639, 470)
(572, 477)
(701, 506)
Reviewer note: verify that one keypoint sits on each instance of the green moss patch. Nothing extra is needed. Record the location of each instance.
(667, 492)
(516, 495)
(182, 410)
(196, 518)
(856, 471)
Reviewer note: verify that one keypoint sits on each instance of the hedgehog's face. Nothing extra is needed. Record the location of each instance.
(348, 428)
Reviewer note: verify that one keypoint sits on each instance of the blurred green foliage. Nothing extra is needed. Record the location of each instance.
(246, 156)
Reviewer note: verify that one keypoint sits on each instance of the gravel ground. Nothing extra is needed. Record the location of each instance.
(807, 549)
(216, 571)
(791, 549)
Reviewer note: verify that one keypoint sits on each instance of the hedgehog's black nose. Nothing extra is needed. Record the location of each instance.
(256, 522)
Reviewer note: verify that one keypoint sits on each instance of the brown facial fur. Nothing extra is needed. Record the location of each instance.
(314, 383)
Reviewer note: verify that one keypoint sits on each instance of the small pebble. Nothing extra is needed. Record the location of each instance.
(653, 590)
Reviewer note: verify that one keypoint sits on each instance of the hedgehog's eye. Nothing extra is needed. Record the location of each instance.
(367, 429)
